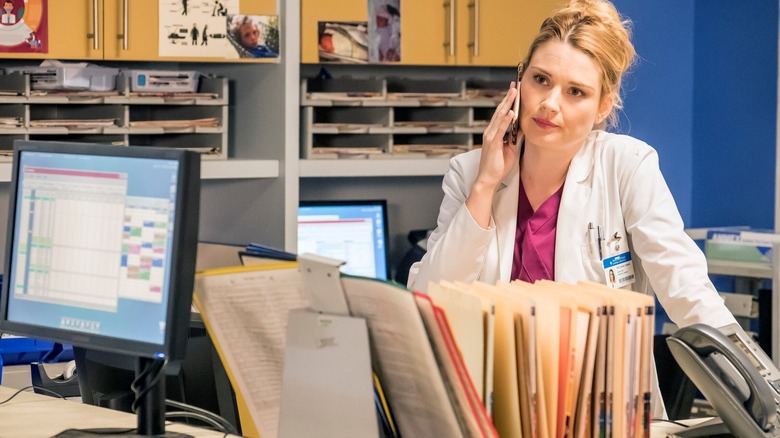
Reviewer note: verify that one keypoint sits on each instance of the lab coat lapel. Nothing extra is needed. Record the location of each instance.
(505, 218)
(575, 197)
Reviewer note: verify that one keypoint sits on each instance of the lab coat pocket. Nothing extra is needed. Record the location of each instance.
(589, 252)
(591, 263)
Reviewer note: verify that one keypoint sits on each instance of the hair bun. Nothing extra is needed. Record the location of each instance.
(596, 28)
(604, 13)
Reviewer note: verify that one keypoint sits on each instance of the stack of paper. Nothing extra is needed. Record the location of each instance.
(72, 123)
(10, 122)
(209, 122)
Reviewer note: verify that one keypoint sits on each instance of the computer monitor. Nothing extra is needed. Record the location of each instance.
(100, 253)
(352, 231)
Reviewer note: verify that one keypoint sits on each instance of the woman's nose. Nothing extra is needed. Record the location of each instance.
(551, 101)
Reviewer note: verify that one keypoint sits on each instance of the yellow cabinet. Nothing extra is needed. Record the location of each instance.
(470, 32)
(442, 32)
(131, 29)
(115, 30)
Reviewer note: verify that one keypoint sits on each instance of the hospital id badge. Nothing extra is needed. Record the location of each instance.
(619, 270)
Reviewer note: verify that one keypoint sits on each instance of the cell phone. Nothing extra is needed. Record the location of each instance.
(516, 122)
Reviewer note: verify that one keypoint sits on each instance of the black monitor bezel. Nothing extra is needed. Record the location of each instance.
(358, 202)
(184, 248)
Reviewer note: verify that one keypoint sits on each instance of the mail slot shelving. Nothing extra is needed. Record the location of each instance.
(119, 118)
(393, 118)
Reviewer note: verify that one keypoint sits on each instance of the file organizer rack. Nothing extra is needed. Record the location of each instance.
(17, 99)
(398, 117)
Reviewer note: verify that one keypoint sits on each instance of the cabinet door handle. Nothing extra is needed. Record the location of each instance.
(451, 43)
(474, 30)
(476, 27)
(95, 27)
(125, 24)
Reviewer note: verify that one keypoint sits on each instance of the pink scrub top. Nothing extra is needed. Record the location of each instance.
(534, 257)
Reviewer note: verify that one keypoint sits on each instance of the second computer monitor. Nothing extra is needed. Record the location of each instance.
(352, 231)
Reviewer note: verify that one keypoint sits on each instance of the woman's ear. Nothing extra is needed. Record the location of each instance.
(605, 109)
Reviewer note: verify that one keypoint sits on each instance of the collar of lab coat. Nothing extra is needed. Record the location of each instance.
(576, 195)
(576, 192)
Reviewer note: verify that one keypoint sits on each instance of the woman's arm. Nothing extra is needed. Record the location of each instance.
(674, 264)
(457, 247)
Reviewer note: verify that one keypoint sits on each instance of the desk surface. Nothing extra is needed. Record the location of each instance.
(30, 415)
(33, 415)
(668, 429)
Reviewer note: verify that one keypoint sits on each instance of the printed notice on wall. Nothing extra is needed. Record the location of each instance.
(24, 27)
(196, 28)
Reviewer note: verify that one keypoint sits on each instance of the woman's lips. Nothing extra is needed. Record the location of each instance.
(544, 124)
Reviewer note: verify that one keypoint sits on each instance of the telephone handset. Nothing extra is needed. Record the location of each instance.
(515, 128)
(736, 376)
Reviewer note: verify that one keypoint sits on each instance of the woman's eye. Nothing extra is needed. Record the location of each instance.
(539, 79)
(577, 92)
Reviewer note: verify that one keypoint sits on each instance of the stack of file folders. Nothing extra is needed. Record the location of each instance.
(472, 360)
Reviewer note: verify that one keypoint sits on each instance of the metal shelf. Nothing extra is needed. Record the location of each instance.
(216, 169)
(739, 269)
(373, 167)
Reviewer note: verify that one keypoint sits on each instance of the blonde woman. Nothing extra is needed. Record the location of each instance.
(565, 201)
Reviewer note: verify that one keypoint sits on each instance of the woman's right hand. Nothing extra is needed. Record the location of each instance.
(496, 161)
(498, 157)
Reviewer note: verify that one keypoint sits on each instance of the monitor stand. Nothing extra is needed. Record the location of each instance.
(149, 387)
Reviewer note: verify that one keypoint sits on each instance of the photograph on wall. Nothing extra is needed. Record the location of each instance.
(343, 41)
(384, 30)
(24, 27)
(254, 36)
(196, 29)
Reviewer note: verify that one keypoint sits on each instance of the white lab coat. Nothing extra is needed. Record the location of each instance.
(614, 181)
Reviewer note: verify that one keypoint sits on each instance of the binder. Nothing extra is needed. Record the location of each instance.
(243, 307)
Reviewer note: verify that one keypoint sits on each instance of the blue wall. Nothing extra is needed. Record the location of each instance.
(734, 107)
(704, 94)
(659, 89)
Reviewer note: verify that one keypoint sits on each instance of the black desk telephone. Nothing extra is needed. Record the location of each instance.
(736, 376)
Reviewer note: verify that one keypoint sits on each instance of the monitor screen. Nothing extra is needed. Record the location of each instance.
(100, 250)
(352, 231)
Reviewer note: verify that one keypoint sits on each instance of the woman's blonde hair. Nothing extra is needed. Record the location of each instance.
(596, 28)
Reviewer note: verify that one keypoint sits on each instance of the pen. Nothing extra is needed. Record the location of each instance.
(599, 239)
(590, 237)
